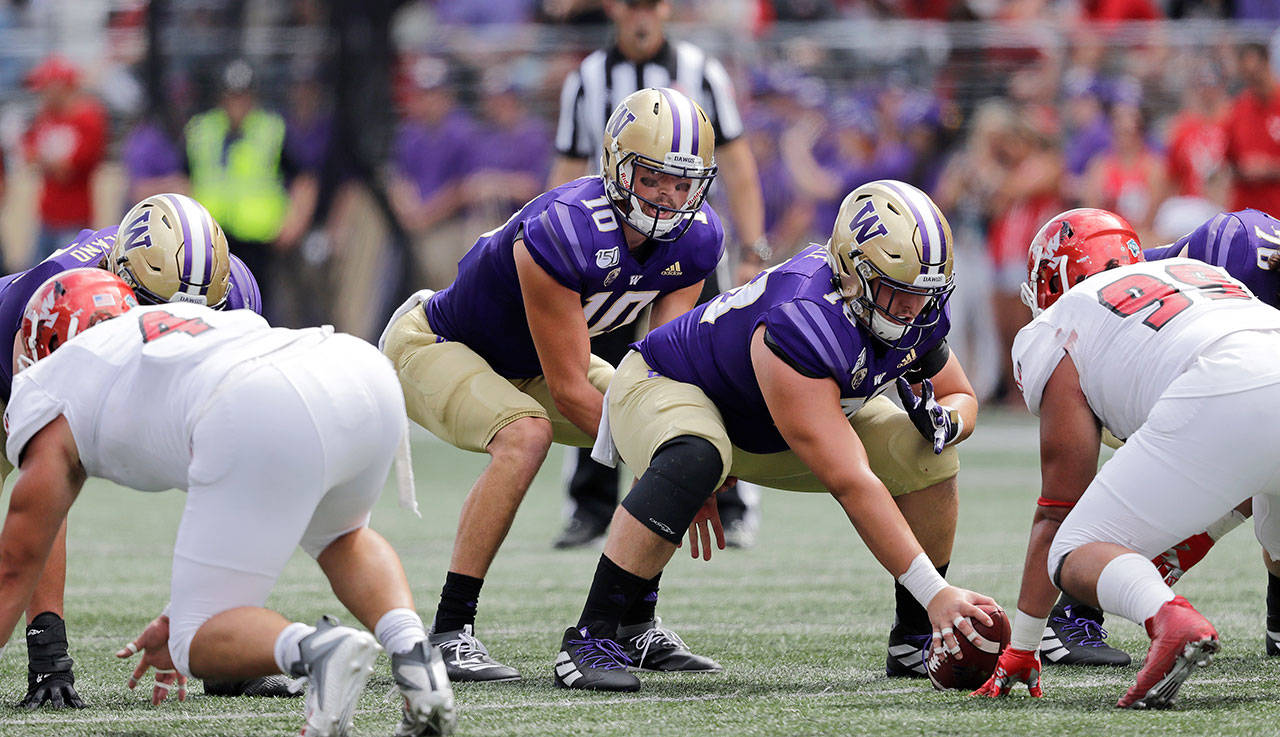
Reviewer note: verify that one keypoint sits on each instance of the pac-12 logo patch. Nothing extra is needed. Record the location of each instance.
(609, 257)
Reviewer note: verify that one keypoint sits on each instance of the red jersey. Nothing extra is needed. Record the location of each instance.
(1253, 129)
(78, 137)
(1197, 146)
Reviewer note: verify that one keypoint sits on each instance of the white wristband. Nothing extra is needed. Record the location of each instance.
(1027, 631)
(922, 580)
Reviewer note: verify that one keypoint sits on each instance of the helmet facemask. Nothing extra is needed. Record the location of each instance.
(668, 222)
(872, 297)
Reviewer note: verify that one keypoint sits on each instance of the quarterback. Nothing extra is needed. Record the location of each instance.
(280, 438)
(779, 382)
(500, 361)
(1189, 419)
(172, 250)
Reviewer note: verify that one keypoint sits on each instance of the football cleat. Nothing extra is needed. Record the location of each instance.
(579, 532)
(423, 681)
(652, 647)
(336, 663)
(593, 663)
(1273, 634)
(906, 654)
(1181, 640)
(467, 659)
(1074, 636)
(266, 686)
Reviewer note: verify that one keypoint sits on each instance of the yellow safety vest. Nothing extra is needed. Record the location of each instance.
(245, 194)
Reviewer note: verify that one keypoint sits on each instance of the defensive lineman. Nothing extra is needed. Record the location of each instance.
(778, 382)
(280, 438)
(499, 362)
(1190, 419)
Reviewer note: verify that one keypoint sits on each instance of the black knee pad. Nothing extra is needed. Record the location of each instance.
(682, 474)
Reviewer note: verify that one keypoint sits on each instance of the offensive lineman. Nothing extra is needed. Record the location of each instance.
(173, 250)
(500, 361)
(1245, 243)
(279, 437)
(1206, 345)
(778, 382)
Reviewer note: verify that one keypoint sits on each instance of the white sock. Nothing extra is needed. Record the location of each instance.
(1131, 587)
(287, 652)
(399, 630)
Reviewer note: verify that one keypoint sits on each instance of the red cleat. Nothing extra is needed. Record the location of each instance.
(1181, 640)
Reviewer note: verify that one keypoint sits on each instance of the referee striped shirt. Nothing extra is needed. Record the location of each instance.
(603, 79)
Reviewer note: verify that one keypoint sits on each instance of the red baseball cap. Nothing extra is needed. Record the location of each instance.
(55, 68)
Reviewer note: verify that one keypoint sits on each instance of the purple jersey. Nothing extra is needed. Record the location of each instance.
(90, 248)
(572, 233)
(1239, 242)
(805, 321)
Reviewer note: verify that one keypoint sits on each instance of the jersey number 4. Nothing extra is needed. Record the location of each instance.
(1136, 292)
(159, 324)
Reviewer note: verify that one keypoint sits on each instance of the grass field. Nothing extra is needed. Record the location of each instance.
(799, 623)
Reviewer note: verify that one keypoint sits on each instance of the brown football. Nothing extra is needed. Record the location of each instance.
(979, 658)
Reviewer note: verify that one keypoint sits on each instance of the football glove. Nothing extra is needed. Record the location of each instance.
(938, 423)
(49, 676)
(1014, 666)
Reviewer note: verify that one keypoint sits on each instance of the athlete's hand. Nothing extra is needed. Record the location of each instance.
(154, 644)
(706, 522)
(938, 423)
(58, 690)
(1014, 666)
(949, 612)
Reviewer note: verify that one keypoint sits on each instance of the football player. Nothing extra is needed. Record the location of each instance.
(280, 438)
(171, 250)
(1247, 244)
(500, 363)
(1192, 453)
(779, 382)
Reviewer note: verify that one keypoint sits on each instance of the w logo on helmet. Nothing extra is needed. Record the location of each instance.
(135, 234)
(620, 119)
(866, 224)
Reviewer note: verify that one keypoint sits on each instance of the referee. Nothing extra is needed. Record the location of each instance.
(642, 56)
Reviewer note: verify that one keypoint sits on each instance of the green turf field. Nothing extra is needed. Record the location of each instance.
(799, 623)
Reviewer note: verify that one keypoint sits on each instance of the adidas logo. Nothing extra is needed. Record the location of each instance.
(672, 270)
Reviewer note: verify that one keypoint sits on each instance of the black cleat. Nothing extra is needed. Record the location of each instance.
(580, 532)
(652, 647)
(1074, 636)
(906, 654)
(266, 687)
(596, 664)
(467, 659)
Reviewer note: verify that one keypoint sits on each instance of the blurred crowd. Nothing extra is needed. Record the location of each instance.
(1018, 110)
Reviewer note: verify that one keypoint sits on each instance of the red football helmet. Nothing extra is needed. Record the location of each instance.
(67, 304)
(1071, 246)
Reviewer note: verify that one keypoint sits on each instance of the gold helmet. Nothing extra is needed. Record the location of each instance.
(660, 130)
(891, 236)
(170, 249)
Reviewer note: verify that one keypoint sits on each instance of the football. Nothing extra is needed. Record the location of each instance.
(979, 658)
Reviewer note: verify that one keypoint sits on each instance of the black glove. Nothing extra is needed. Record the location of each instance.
(938, 423)
(49, 676)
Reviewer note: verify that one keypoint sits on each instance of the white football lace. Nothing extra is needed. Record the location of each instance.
(655, 636)
(469, 650)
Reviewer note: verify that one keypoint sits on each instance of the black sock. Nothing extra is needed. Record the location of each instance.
(458, 600)
(643, 610)
(613, 591)
(909, 617)
(1273, 603)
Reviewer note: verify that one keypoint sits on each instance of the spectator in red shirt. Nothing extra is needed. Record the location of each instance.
(1197, 141)
(66, 143)
(1253, 134)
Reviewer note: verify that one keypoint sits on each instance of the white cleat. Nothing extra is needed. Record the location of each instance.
(423, 681)
(336, 663)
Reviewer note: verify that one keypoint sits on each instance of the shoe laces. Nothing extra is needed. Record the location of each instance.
(600, 653)
(468, 649)
(656, 635)
(1081, 631)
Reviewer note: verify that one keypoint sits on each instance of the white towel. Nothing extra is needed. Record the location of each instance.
(604, 451)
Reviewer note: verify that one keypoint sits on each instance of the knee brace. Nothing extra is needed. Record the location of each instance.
(681, 475)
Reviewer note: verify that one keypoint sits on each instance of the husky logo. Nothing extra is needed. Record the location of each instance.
(621, 118)
(135, 233)
(608, 258)
(866, 224)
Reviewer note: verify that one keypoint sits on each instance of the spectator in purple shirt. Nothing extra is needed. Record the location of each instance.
(432, 156)
(152, 161)
(1088, 130)
(511, 166)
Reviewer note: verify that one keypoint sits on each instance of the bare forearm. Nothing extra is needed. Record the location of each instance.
(745, 199)
(882, 527)
(1037, 595)
(581, 404)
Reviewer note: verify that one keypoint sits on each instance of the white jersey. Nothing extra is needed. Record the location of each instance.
(133, 387)
(1132, 331)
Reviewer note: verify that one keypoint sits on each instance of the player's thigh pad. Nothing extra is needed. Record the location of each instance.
(257, 475)
(599, 373)
(1191, 462)
(897, 453)
(647, 409)
(449, 389)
